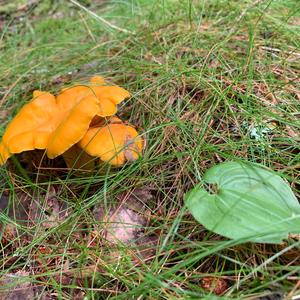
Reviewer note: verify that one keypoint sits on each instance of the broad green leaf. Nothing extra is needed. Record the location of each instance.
(250, 203)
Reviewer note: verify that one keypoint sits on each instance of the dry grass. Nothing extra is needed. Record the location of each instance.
(205, 76)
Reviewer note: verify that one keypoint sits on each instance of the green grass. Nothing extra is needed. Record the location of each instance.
(203, 75)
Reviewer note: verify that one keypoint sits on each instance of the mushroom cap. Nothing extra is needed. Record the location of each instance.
(31, 127)
(4, 154)
(108, 96)
(84, 103)
(57, 123)
(114, 143)
(74, 122)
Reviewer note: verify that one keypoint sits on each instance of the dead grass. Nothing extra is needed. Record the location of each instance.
(204, 77)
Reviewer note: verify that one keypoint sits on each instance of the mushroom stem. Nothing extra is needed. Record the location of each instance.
(78, 160)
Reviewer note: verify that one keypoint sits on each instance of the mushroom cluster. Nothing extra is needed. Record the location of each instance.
(78, 122)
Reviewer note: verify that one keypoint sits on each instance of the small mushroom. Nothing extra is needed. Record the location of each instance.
(57, 123)
(114, 143)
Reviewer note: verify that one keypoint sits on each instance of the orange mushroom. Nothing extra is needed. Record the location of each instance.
(57, 123)
(114, 143)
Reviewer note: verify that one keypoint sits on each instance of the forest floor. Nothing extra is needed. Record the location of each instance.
(211, 81)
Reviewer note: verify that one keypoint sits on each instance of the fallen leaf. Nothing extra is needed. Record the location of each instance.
(215, 285)
(120, 225)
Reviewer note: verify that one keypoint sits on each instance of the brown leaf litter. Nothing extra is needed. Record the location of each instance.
(18, 286)
(214, 284)
(42, 209)
(126, 224)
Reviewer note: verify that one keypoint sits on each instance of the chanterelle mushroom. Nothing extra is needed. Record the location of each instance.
(114, 143)
(57, 123)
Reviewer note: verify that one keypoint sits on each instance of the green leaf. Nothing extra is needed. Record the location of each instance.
(250, 203)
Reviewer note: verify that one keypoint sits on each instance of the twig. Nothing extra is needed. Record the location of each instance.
(100, 18)
(276, 50)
